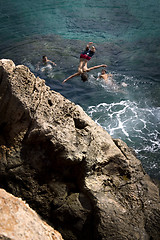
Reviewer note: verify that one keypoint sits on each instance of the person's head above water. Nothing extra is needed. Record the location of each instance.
(84, 77)
(44, 58)
(103, 71)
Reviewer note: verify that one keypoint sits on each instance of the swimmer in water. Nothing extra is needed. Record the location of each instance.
(105, 76)
(84, 75)
(45, 60)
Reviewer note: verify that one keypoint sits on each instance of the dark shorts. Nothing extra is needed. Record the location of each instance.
(85, 56)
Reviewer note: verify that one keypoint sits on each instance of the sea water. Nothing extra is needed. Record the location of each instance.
(126, 35)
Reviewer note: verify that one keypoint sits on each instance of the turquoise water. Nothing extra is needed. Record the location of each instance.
(126, 35)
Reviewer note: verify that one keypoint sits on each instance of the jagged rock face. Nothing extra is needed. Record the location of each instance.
(18, 221)
(69, 169)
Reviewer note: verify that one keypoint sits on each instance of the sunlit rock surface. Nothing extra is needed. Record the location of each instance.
(69, 169)
(18, 221)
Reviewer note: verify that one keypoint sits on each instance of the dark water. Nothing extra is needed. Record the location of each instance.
(127, 37)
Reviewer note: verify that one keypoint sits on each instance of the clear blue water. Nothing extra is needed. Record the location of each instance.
(127, 36)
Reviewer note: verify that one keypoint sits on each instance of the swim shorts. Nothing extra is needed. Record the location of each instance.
(87, 54)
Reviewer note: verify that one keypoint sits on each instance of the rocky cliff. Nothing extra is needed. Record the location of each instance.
(18, 221)
(69, 169)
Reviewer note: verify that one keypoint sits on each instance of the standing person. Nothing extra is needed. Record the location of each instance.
(85, 56)
(83, 74)
(45, 60)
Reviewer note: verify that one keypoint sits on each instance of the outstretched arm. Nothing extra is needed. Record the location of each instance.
(52, 62)
(74, 75)
(95, 67)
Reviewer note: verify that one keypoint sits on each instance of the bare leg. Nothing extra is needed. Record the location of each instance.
(95, 67)
(80, 65)
(85, 68)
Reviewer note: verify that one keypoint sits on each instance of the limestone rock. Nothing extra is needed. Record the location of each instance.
(68, 168)
(18, 221)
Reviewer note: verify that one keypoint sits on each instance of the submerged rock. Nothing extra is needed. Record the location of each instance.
(69, 169)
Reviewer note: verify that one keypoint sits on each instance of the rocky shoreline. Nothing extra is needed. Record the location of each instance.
(67, 168)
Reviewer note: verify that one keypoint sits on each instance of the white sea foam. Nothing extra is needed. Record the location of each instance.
(127, 120)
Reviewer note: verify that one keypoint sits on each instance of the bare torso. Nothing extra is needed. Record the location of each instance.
(106, 78)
